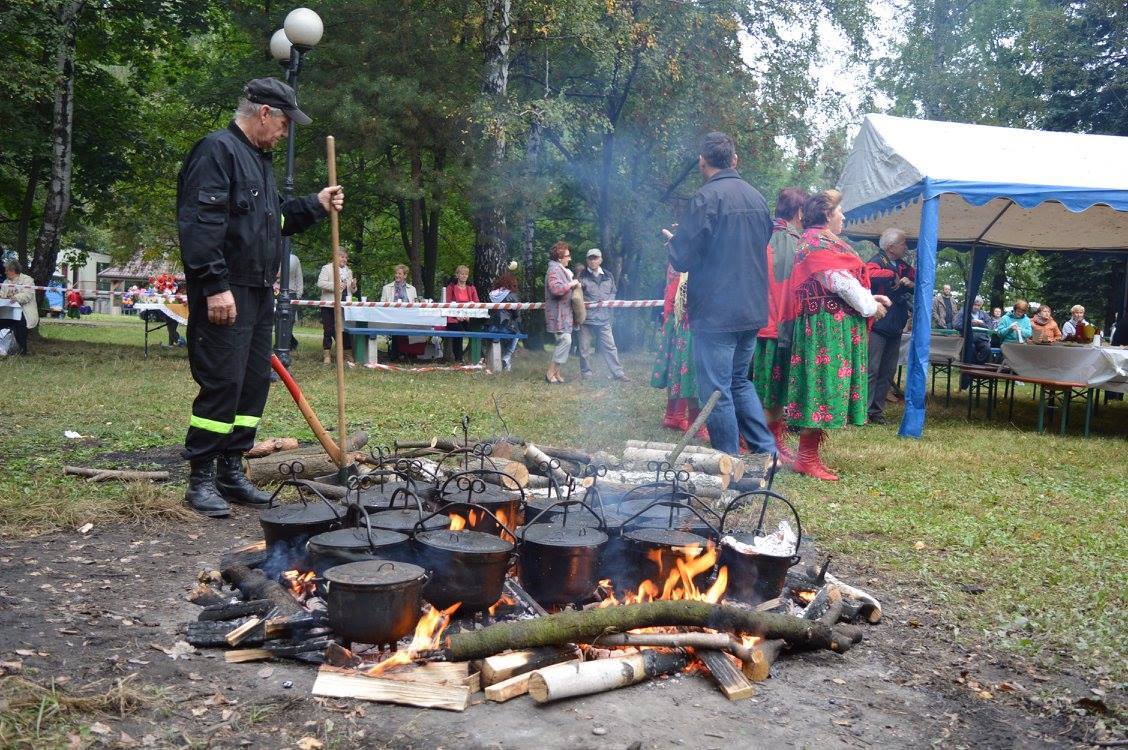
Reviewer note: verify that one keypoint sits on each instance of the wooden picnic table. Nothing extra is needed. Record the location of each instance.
(1051, 394)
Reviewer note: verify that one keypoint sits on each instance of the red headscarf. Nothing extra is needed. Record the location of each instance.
(836, 256)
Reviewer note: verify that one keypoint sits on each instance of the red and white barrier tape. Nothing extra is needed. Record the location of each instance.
(425, 368)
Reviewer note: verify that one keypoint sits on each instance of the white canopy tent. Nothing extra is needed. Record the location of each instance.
(983, 186)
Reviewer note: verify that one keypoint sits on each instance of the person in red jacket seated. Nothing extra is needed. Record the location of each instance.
(460, 291)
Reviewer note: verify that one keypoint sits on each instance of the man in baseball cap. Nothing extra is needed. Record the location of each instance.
(276, 94)
(598, 286)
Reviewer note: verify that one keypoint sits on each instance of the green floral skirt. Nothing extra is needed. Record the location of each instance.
(769, 372)
(826, 385)
(673, 368)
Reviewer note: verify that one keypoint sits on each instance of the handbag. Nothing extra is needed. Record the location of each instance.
(579, 311)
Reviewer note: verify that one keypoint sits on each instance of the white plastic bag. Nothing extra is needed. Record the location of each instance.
(7, 343)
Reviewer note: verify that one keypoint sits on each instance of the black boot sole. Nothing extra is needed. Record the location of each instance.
(209, 513)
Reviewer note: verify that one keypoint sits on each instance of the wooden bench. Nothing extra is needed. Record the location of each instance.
(1051, 393)
(362, 334)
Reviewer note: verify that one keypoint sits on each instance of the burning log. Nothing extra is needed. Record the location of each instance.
(236, 610)
(586, 678)
(296, 648)
(333, 682)
(588, 625)
(827, 600)
(272, 445)
(101, 475)
(501, 667)
(871, 610)
(256, 585)
(213, 633)
(717, 464)
(730, 679)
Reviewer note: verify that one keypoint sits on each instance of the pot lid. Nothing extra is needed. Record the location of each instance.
(301, 514)
(373, 573)
(357, 539)
(378, 497)
(666, 537)
(464, 541)
(490, 497)
(556, 535)
(404, 519)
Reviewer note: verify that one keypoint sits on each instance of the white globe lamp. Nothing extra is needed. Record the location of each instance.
(303, 27)
(280, 45)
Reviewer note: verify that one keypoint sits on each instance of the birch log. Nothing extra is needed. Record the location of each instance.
(717, 464)
(586, 678)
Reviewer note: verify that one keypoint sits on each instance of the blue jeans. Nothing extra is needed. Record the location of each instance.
(722, 361)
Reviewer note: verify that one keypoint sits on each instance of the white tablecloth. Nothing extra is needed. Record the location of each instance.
(142, 306)
(10, 310)
(942, 348)
(1104, 366)
(418, 317)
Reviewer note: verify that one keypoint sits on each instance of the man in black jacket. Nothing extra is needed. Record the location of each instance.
(721, 242)
(890, 274)
(231, 221)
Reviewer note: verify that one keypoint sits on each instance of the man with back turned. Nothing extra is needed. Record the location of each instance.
(231, 221)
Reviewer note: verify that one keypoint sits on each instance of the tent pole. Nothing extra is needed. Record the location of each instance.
(912, 423)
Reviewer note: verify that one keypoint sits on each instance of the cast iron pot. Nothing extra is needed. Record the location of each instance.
(374, 601)
(295, 523)
(343, 546)
(651, 552)
(470, 488)
(465, 566)
(402, 518)
(560, 561)
(755, 577)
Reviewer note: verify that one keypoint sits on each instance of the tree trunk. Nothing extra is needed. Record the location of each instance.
(489, 220)
(416, 219)
(27, 208)
(62, 152)
(431, 232)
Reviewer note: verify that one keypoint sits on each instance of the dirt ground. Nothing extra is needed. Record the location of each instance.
(96, 606)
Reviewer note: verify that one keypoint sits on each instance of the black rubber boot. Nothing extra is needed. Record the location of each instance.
(202, 495)
(234, 485)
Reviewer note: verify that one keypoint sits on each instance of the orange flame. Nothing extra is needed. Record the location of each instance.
(428, 635)
(687, 564)
(301, 584)
(505, 601)
(805, 596)
(457, 522)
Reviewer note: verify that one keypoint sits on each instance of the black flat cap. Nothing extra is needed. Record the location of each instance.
(275, 93)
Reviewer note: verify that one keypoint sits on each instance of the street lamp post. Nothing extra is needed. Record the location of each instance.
(298, 35)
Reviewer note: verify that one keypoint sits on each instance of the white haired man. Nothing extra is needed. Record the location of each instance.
(890, 274)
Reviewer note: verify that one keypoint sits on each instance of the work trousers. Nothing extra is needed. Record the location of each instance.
(884, 352)
(231, 364)
(605, 341)
(722, 361)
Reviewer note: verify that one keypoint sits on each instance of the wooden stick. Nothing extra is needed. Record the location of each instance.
(730, 679)
(696, 641)
(517, 685)
(501, 667)
(586, 678)
(239, 634)
(240, 655)
(100, 475)
(338, 315)
(333, 683)
(706, 410)
(307, 411)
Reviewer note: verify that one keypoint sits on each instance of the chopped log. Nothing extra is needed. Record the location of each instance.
(474, 682)
(872, 611)
(276, 627)
(272, 445)
(240, 655)
(764, 655)
(331, 491)
(293, 648)
(705, 486)
(205, 596)
(574, 455)
(241, 633)
(267, 469)
(537, 482)
(334, 683)
(214, 633)
(603, 458)
(516, 475)
(824, 600)
(667, 447)
(587, 678)
(587, 625)
(252, 556)
(513, 687)
(696, 641)
(257, 608)
(535, 458)
(501, 667)
(434, 673)
(730, 679)
(442, 444)
(339, 656)
(718, 464)
(100, 475)
(255, 585)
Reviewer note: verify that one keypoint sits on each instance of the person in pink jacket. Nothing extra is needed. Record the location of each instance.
(558, 286)
(460, 291)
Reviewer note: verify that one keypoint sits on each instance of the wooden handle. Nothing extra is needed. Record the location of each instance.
(338, 316)
(311, 419)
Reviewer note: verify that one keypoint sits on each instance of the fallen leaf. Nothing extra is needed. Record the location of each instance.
(126, 741)
(919, 545)
(265, 672)
(85, 528)
(838, 681)
(226, 714)
(985, 695)
(179, 650)
(100, 728)
(310, 743)
(199, 711)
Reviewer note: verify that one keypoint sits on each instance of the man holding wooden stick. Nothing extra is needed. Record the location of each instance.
(231, 221)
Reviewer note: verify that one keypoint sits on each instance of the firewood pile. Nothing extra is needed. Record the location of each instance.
(620, 635)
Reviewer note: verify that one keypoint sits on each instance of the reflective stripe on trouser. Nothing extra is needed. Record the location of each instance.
(231, 364)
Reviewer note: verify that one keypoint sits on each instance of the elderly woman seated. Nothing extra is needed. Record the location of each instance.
(1015, 325)
(1074, 327)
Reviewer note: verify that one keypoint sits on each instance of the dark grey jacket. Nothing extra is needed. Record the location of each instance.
(601, 288)
(721, 242)
(230, 216)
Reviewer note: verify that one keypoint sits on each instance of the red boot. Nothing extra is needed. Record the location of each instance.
(702, 433)
(779, 429)
(808, 461)
(675, 415)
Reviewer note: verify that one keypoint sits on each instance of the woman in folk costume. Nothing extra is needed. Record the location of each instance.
(673, 367)
(831, 305)
(773, 344)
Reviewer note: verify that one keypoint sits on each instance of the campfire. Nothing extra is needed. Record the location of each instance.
(444, 570)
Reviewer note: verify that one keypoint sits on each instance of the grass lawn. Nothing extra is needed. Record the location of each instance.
(1038, 521)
